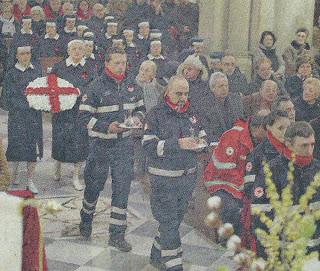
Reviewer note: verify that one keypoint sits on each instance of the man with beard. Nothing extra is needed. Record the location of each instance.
(171, 140)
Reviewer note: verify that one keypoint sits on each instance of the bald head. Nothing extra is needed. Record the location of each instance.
(178, 90)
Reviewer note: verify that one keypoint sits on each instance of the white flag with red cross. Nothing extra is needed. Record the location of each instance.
(51, 94)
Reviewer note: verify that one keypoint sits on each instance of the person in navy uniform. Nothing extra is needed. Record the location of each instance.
(143, 39)
(25, 140)
(110, 99)
(171, 140)
(299, 140)
(155, 55)
(96, 23)
(50, 43)
(277, 123)
(105, 40)
(69, 32)
(132, 51)
(91, 54)
(26, 36)
(69, 142)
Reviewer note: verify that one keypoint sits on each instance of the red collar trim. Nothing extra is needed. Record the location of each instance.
(117, 77)
(301, 161)
(175, 107)
(275, 142)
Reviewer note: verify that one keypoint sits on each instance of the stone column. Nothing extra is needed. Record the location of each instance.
(213, 24)
(239, 33)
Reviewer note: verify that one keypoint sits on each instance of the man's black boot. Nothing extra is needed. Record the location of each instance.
(119, 242)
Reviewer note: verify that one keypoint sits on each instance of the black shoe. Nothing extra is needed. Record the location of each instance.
(156, 263)
(120, 243)
(85, 229)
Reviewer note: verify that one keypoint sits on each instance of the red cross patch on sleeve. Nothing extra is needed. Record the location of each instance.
(258, 192)
(249, 166)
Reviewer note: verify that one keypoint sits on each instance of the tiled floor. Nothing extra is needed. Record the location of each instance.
(67, 251)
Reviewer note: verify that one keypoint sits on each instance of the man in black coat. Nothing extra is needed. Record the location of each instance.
(69, 142)
(196, 74)
(220, 109)
(237, 80)
(111, 99)
(263, 71)
(171, 141)
(299, 141)
(24, 123)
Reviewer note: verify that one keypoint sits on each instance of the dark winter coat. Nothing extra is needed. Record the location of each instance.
(96, 24)
(305, 111)
(166, 125)
(25, 39)
(316, 127)
(303, 177)
(237, 82)
(69, 142)
(107, 101)
(255, 85)
(24, 124)
(50, 47)
(135, 14)
(39, 27)
(217, 116)
(290, 55)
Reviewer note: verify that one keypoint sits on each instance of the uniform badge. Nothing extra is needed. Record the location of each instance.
(130, 88)
(243, 157)
(193, 120)
(258, 192)
(84, 98)
(229, 151)
(249, 166)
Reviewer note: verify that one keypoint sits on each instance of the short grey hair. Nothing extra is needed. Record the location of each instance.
(214, 77)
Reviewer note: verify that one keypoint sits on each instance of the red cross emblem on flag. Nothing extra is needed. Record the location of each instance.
(51, 93)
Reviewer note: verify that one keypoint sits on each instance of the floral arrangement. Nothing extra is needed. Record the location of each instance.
(285, 243)
(51, 94)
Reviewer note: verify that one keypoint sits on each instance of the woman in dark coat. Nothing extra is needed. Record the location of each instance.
(268, 49)
(69, 142)
(24, 123)
(307, 105)
(294, 84)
